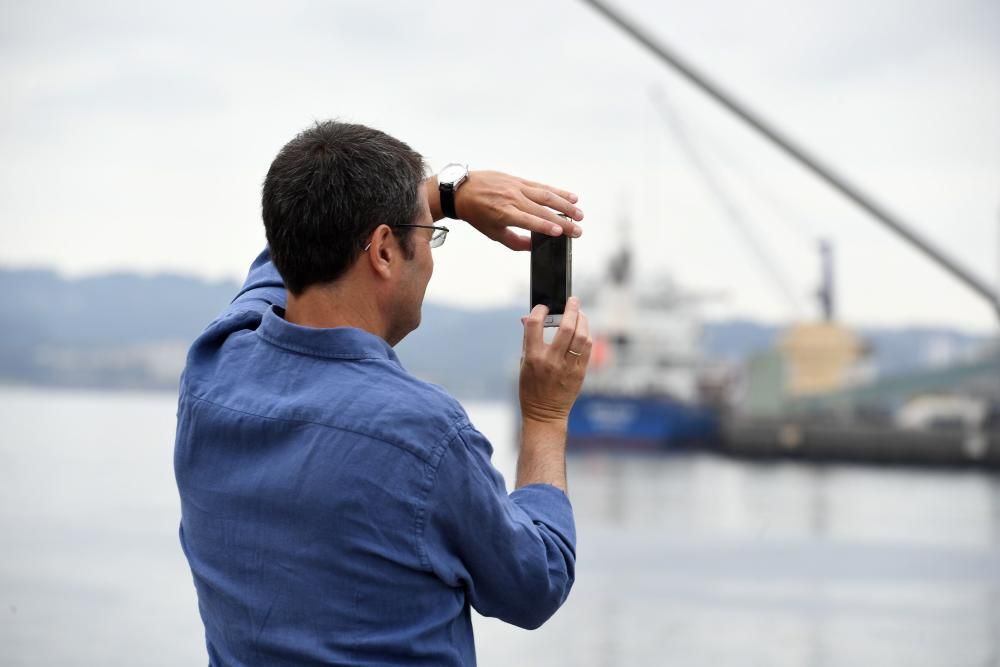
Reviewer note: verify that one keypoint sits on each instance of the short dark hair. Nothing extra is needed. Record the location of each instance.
(326, 191)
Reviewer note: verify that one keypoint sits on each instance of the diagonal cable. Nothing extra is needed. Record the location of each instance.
(732, 213)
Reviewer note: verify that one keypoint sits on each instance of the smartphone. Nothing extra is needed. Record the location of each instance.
(551, 274)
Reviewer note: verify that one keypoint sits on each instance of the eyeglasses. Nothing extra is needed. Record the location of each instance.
(437, 238)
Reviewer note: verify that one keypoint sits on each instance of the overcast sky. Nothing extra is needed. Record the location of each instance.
(136, 135)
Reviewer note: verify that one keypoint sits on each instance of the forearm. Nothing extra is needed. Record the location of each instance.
(514, 555)
(542, 459)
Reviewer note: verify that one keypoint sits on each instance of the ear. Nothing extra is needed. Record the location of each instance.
(383, 252)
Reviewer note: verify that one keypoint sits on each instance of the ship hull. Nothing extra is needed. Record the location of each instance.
(630, 423)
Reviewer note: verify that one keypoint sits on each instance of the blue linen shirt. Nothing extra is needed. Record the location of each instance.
(337, 510)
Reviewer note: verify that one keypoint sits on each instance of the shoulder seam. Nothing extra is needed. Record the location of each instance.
(312, 353)
(397, 445)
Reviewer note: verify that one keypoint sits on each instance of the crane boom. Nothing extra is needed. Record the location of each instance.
(803, 157)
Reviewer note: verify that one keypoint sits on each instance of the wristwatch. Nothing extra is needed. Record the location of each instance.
(449, 180)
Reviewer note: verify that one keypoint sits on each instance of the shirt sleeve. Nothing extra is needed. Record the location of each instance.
(262, 288)
(515, 554)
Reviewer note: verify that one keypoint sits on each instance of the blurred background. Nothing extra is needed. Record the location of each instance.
(786, 452)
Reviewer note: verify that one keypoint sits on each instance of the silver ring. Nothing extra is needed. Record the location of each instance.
(575, 354)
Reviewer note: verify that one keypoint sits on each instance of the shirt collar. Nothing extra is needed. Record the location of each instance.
(336, 343)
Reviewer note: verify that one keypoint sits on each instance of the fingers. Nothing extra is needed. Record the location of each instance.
(582, 343)
(513, 240)
(567, 327)
(552, 200)
(565, 194)
(534, 325)
(559, 223)
(547, 205)
(540, 219)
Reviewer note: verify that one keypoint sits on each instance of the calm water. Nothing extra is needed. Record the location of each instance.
(682, 561)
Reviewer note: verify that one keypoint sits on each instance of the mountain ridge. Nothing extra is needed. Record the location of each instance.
(131, 330)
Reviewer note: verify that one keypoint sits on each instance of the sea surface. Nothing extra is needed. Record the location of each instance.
(692, 560)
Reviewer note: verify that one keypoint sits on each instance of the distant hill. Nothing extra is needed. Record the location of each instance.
(894, 350)
(114, 330)
(132, 331)
(126, 330)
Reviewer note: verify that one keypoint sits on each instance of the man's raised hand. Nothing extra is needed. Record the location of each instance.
(552, 374)
(495, 203)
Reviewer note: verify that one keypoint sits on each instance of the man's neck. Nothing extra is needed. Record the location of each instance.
(329, 306)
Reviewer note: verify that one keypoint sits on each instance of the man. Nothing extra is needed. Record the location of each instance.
(335, 509)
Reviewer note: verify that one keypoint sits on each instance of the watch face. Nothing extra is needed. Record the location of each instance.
(452, 173)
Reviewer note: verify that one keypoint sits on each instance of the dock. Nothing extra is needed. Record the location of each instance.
(802, 439)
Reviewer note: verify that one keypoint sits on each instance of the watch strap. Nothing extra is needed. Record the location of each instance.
(448, 187)
(447, 192)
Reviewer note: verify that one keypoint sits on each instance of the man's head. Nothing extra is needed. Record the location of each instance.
(325, 193)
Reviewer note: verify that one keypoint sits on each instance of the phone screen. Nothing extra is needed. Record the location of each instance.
(550, 271)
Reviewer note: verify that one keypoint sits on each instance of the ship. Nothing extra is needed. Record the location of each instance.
(649, 387)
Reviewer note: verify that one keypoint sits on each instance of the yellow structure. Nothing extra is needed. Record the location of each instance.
(819, 357)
